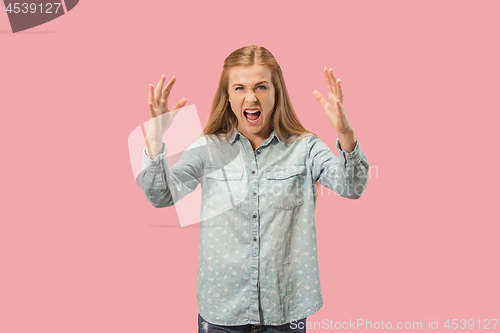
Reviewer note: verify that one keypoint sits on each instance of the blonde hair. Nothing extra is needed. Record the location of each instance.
(284, 120)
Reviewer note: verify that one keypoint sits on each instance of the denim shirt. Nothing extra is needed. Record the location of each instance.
(258, 261)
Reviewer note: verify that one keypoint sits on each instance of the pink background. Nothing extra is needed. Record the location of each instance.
(82, 250)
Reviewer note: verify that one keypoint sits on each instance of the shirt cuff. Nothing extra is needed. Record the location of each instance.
(147, 161)
(352, 158)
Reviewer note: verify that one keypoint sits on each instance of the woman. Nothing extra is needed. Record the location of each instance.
(258, 168)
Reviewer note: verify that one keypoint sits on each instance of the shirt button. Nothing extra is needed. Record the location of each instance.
(257, 152)
(254, 216)
(254, 193)
(253, 172)
(254, 239)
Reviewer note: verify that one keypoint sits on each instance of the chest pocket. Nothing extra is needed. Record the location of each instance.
(222, 190)
(285, 186)
(219, 174)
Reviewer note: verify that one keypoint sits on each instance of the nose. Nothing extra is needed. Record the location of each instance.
(251, 97)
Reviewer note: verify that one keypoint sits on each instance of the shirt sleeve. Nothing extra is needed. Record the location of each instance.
(347, 174)
(164, 186)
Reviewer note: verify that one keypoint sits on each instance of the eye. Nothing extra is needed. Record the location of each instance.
(263, 87)
(237, 88)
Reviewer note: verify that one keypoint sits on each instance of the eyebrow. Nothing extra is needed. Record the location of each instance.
(239, 84)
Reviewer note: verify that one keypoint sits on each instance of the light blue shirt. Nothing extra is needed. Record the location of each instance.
(258, 261)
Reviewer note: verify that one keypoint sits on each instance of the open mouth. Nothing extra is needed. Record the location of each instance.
(252, 116)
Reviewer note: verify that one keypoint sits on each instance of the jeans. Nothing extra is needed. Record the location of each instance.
(298, 326)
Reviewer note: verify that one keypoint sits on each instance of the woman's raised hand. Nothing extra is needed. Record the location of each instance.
(161, 116)
(333, 106)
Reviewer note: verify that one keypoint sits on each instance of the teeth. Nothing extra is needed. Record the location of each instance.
(251, 111)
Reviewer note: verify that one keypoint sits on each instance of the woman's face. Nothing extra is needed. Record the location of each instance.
(251, 89)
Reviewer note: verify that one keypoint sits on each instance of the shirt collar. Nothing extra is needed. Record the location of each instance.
(237, 133)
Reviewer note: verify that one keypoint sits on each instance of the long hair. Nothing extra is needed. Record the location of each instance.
(284, 121)
(283, 118)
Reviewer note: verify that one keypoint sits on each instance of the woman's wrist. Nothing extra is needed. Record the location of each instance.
(347, 141)
(150, 140)
(153, 147)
